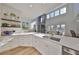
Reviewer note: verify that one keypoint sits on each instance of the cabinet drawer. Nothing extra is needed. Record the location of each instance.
(54, 50)
(43, 47)
(66, 50)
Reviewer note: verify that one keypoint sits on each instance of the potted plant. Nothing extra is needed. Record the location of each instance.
(13, 15)
(18, 17)
(5, 15)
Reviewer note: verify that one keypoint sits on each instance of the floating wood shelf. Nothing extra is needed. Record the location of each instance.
(9, 20)
(10, 27)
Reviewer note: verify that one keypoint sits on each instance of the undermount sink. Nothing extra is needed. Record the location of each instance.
(56, 39)
(46, 36)
(52, 38)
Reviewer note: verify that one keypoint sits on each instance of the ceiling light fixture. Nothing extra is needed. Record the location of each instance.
(30, 5)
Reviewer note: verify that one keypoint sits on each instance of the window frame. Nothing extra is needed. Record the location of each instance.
(57, 11)
(52, 13)
(47, 16)
(63, 10)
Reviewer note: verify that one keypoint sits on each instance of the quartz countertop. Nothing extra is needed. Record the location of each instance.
(65, 40)
(5, 39)
(70, 42)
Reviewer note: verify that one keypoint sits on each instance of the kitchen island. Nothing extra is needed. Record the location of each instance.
(45, 46)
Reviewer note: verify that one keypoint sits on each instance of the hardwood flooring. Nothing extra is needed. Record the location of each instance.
(21, 51)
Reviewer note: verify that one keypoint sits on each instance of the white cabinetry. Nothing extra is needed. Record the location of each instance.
(53, 48)
(39, 44)
(25, 40)
(46, 47)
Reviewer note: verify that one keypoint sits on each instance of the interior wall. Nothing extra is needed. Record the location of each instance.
(66, 19)
(76, 20)
(8, 9)
(0, 18)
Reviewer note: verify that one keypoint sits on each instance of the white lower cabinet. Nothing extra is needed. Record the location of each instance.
(45, 47)
(36, 41)
(54, 49)
(26, 40)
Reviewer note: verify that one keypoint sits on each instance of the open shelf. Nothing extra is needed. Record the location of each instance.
(9, 26)
(10, 23)
(9, 20)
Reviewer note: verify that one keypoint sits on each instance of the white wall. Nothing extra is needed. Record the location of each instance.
(67, 19)
(4, 8)
(8, 9)
(76, 21)
(0, 19)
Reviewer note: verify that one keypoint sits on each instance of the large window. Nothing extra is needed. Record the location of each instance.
(52, 27)
(56, 12)
(58, 26)
(49, 28)
(63, 10)
(52, 14)
(41, 19)
(48, 16)
(63, 26)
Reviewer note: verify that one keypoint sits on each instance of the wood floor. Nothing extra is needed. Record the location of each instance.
(21, 51)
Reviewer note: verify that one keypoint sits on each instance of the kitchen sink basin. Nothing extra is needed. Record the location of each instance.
(55, 39)
(52, 38)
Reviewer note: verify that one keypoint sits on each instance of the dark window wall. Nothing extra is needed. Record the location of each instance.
(41, 23)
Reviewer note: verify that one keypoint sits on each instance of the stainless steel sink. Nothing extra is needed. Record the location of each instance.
(52, 38)
(56, 39)
(46, 36)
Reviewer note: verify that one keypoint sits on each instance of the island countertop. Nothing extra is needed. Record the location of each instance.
(70, 42)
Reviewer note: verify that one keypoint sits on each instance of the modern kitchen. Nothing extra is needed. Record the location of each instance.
(39, 28)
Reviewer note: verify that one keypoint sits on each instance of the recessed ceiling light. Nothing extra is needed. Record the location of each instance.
(30, 5)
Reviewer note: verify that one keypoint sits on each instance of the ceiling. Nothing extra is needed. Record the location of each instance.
(36, 9)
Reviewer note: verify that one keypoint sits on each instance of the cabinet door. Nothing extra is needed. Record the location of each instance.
(43, 47)
(54, 50)
(46, 47)
(36, 41)
(39, 44)
(25, 40)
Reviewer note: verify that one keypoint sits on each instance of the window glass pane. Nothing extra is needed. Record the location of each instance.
(63, 26)
(63, 10)
(57, 13)
(41, 19)
(49, 28)
(52, 27)
(58, 26)
(48, 16)
(52, 14)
